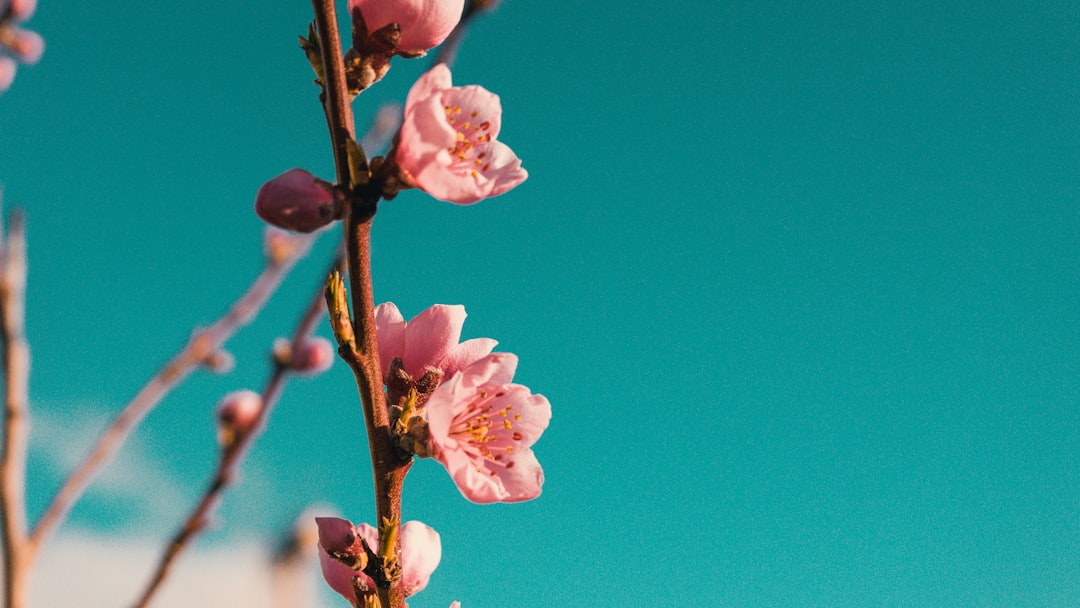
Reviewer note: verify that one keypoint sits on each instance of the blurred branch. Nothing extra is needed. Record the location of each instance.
(204, 345)
(450, 47)
(294, 585)
(16, 353)
(233, 453)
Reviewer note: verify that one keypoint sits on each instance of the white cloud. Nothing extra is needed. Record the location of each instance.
(92, 571)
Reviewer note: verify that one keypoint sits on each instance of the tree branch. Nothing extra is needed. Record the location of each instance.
(16, 353)
(202, 345)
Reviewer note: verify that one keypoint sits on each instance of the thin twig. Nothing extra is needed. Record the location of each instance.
(450, 47)
(16, 353)
(232, 455)
(203, 345)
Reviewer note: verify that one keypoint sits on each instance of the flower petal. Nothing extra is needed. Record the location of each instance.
(430, 83)
(430, 336)
(421, 551)
(464, 354)
(390, 333)
(337, 575)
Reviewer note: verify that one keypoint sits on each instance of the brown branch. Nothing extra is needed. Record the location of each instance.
(387, 466)
(203, 345)
(16, 353)
(336, 99)
(232, 454)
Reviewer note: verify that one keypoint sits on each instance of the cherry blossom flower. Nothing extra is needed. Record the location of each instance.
(482, 427)
(424, 24)
(296, 200)
(447, 146)
(429, 340)
(421, 551)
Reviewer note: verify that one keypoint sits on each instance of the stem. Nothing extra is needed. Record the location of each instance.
(336, 101)
(202, 345)
(388, 468)
(233, 454)
(16, 352)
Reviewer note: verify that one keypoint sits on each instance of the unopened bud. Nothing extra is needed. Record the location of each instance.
(314, 356)
(297, 200)
(237, 414)
(27, 46)
(21, 10)
(8, 67)
(220, 362)
(424, 24)
(339, 540)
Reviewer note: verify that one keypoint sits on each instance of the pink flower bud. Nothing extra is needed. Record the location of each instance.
(421, 551)
(8, 67)
(296, 200)
(21, 10)
(237, 413)
(27, 46)
(424, 23)
(315, 356)
(447, 146)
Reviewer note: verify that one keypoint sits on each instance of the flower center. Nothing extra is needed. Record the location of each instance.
(488, 431)
(472, 138)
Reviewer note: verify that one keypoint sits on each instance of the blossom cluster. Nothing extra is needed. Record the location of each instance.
(17, 45)
(477, 423)
(452, 401)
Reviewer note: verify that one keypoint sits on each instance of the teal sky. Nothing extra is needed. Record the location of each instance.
(800, 281)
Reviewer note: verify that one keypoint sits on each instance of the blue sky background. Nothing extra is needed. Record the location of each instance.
(800, 281)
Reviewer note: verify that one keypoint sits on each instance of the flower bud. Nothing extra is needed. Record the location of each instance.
(297, 200)
(27, 46)
(8, 67)
(314, 356)
(21, 10)
(424, 24)
(237, 414)
(220, 362)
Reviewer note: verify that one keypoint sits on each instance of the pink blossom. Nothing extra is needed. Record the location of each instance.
(429, 340)
(296, 200)
(424, 24)
(420, 547)
(482, 427)
(447, 145)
